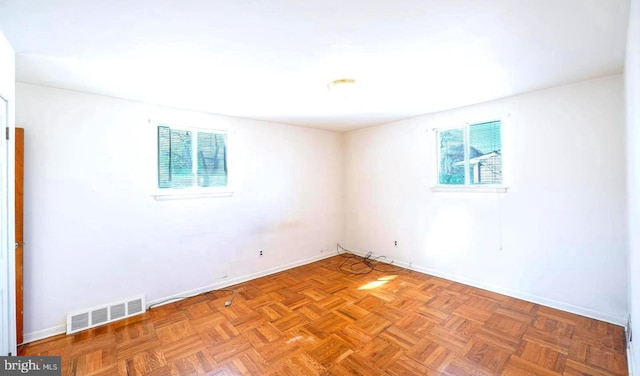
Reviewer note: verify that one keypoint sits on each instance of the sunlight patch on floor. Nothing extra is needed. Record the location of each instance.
(379, 282)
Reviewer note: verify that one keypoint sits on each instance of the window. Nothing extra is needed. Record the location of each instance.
(470, 155)
(192, 159)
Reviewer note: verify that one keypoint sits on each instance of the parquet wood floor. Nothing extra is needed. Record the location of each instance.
(317, 320)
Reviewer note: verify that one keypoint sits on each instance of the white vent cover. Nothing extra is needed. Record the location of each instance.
(91, 317)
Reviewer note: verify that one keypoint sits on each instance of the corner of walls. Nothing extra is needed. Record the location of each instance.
(632, 91)
(557, 236)
(90, 214)
(613, 318)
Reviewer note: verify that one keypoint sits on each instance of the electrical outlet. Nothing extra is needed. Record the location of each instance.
(395, 243)
(261, 252)
(322, 251)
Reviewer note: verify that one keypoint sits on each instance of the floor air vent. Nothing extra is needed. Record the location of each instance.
(89, 318)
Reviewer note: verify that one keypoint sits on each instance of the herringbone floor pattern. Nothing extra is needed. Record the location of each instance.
(317, 320)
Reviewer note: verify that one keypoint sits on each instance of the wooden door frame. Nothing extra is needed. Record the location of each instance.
(19, 232)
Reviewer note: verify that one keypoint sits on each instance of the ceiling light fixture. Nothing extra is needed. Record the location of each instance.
(343, 87)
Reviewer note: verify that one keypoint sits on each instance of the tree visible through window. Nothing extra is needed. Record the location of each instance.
(189, 158)
(470, 155)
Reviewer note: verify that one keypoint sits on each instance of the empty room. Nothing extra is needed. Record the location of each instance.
(419, 187)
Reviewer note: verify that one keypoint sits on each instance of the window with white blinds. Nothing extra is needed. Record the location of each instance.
(470, 155)
(191, 158)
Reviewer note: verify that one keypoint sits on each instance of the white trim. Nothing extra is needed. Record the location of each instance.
(7, 251)
(8, 343)
(44, 333)
(468, 189)
(61, 329)
(630, 364)
(189, 194)
(234, 281)
(578, 310)
(602, 316)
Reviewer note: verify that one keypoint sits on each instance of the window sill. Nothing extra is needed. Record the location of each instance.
(190, 194)
(468, 189)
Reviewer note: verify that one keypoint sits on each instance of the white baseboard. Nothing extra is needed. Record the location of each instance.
(582, 311)
(44, 333)
(578, 310)
(61, 329)
(602, 316)
(234, 281)
(630, 359)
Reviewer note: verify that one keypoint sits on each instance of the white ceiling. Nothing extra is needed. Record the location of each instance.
(272, 60)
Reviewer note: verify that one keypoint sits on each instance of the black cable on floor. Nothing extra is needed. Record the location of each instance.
(359, 265)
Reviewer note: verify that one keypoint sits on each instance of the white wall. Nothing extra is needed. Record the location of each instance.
(561, 226)
(94, 234)
(7, 217)
(632, 85)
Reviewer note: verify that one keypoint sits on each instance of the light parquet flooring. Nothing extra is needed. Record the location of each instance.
(317, 320)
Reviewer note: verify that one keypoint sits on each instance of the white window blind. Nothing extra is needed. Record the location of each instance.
(470, 155)
(191, 158)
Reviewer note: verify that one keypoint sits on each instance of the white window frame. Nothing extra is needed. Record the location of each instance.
(470, 188)
(196, 192)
